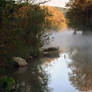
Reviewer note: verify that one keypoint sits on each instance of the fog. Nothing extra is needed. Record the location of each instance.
(70, 42)
(79, 49)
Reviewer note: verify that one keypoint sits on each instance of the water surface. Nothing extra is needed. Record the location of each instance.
(72, 71)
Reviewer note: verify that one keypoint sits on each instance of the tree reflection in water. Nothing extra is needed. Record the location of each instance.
(81, 69)
(32, 79)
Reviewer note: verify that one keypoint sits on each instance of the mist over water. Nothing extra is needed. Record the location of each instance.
(69, 72)
(68, 41)
(72, 71)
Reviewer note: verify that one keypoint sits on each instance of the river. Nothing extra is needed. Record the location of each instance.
(70, 72)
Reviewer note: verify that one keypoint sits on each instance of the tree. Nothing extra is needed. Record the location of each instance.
(80, 14)
(22, 30)
(56, 19)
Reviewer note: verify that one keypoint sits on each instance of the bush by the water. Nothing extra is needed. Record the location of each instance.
(6, 84)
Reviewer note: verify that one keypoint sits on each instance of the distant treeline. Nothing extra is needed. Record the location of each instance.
(56, 19)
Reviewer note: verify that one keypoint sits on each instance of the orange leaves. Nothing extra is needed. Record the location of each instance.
(56, 19)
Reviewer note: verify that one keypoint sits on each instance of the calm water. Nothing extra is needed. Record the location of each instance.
(71, 72)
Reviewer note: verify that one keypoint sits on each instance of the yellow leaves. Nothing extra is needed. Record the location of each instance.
(57, 19)
(54, 17)
(23, 11)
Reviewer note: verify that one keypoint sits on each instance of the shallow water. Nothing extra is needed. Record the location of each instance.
(59, 79)
(70, 72)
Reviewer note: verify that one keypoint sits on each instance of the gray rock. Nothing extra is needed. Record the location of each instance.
(20, 61)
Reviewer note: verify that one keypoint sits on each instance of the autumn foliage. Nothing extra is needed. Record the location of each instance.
(21, 29)
(56, 19)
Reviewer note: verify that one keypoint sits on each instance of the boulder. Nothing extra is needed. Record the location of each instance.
(20, 61)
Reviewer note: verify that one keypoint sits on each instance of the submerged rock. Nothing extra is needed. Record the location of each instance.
(51, 52)
(50, 49)
(20, 61)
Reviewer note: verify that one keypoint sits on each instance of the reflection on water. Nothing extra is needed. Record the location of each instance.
(59, 81)
(72, 73)
(32, 78)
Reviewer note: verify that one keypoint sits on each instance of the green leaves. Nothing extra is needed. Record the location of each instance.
(6, 84)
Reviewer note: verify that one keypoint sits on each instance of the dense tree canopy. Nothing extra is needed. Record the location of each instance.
(80, 14)
(21, 29)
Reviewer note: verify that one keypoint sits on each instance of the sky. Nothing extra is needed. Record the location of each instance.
(59, 3)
